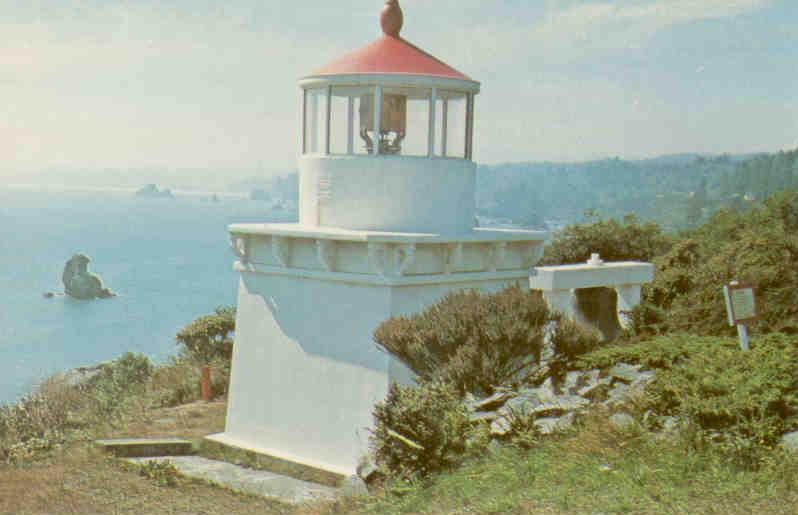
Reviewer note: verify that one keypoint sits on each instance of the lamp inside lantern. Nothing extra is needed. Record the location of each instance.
(393, 123)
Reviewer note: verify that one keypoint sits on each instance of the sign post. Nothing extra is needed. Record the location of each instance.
(741, 308)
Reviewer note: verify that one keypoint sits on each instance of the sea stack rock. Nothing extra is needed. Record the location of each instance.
(80, 283)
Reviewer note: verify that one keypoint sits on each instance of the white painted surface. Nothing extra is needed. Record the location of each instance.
(388, 193)
(306, 372)
(568, 277)
(558, 284)
(400, 80)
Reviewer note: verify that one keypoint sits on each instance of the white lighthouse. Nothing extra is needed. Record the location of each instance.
(386, 215)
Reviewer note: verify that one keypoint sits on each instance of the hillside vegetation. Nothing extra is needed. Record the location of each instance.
(702, 434)
(677, 192)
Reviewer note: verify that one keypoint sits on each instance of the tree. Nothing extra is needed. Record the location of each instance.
(209, 336)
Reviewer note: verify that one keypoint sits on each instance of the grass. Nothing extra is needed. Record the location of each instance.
(600, 470)
(593, 470)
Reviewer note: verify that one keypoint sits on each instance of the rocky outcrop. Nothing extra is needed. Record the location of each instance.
(80, 283)
(548, 408)
(152, 191)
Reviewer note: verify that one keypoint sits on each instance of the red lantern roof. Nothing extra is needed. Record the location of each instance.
(391, 54)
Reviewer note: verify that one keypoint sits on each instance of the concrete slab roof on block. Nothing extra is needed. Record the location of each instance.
(569, 277)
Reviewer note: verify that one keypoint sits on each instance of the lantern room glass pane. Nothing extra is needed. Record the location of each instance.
(340, 123)
(456, 107)
(315, 120)
(407, 111)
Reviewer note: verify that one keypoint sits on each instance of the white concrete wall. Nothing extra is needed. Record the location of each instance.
(306, 372)
(387, 193)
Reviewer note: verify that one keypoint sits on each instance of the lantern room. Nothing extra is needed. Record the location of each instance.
(387, 138)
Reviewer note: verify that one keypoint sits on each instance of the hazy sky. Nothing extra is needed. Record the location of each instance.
(201, 84)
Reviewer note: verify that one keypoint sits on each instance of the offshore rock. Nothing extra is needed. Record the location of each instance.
(80, 283)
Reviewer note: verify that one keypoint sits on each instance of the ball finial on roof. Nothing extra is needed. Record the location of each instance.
(391, 18)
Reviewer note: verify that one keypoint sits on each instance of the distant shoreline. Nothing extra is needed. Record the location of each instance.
(112, 189)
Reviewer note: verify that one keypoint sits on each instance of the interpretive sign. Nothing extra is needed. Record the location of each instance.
(740, 303)
(741, 308)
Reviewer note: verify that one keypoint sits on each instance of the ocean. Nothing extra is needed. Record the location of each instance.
(167, 259)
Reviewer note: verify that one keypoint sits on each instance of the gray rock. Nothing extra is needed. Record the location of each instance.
(80, 283)
(596, 390)
(542, 402)
(367, 469)
(622, 421)
(643, 379)
(789, 441)
(500, 427)
(353, 486)
(483, 416)
(625, 372)
(496, 400)
(618, 394)
(551, 425)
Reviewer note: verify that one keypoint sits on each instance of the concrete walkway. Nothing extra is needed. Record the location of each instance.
(258, 482)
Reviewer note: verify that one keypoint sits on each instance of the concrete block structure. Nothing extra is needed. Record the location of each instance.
(386, 215)
(559, 284)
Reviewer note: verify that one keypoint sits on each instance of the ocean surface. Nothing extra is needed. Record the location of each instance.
(168, 260)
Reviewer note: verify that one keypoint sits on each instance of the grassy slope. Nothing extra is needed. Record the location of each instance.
(599, 470)
(596, 470)
(79, 479)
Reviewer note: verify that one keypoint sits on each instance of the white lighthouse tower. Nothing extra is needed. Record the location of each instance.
(386, 216)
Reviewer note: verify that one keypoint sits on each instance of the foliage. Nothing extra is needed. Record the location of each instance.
(209, 336)
(743, 401)
(676, 191)
(163, 473)
(628, 240)
(474, 341)
(759, 246)
(45, 419)
(178, 381)
(600, 470)
(419, 430)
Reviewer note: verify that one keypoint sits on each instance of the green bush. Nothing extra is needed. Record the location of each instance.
(628, 240)
(178, 382)
(419, 430)
(209, 336)
(122, 379)
(742, 401)
(44, 419)
(759, 245)
(474, 341)
(163, 473)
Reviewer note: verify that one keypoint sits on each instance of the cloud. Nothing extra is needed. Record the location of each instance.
(632, 23)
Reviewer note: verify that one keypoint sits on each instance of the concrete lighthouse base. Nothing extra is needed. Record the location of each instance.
(306, 372)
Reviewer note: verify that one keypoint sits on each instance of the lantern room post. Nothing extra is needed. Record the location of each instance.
(433, 99)
(377, 119)
(350, 125)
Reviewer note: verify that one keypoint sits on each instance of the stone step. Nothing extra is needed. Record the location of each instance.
(256, 482)
(143, 447)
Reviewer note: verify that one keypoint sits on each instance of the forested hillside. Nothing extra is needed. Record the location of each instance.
(677, 191)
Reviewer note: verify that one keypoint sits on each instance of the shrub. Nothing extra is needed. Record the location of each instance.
(163, 473)
(613, 240)
(474, 341)
(124, 378)
(419, 430)
(742, 401)
(209, 336)
(177, 382)
(759, 245)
